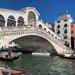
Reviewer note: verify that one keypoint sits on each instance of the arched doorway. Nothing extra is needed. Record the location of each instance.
(72, 42)
(31, 18)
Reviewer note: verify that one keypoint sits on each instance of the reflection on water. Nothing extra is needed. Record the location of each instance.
(39, 65)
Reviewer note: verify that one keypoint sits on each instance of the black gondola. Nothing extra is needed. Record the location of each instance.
(6, 58)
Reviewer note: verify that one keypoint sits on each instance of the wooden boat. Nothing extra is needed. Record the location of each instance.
(11, 71)
(67, 56)
(14, 49)
(17, 71)
(7, 58)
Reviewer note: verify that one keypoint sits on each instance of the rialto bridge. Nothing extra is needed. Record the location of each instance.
(25, 22)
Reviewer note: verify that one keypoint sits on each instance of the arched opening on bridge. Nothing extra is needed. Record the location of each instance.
(49, 32)
(35, 43)
(31, 18)
(72, 42)
(40, 26)
(2, 21)
(45, 29)
(20, 21)
(66, 43)
(11, 21)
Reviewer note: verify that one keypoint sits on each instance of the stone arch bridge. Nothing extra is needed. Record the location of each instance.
(18, 23)
(9, 34)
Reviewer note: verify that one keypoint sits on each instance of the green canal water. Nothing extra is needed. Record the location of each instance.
(41, 65)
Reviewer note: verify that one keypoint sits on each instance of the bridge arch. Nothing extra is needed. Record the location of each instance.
(36, 33)
(11, 21)
(2, 21)
(20, 21)
(31, 17)
(35, 43)
(30, 34)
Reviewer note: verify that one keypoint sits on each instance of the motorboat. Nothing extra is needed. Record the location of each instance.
(11, 71)
(67, 55)
(40, 54)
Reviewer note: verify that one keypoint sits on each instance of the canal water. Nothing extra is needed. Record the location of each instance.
(41, 65)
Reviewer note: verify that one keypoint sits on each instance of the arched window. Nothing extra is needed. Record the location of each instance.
(20, 21)
(31, 17)
(72, 25)
(65, 25)
(52, 35)
(44, 28)
(56, 37)
(40, 26)
(72, 32)
(65, 31)
(2, 21)
(58, 26)
(65, 37)
(58, 32)
(11, 21)
(49, 32)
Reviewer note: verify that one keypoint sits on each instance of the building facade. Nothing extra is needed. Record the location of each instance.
(72, 35)
(62, 28)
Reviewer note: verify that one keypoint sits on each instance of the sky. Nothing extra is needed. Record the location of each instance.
(49, 10)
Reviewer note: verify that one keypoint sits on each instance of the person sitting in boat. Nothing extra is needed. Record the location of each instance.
(5, 56)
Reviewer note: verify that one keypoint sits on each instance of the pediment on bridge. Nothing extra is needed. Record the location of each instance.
(30, 9)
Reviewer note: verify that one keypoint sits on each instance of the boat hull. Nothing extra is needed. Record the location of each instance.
(40, 54)
(9, 59)
(63, 56)
(11, 71)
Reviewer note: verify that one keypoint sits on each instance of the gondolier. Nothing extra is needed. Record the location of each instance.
(9, 52)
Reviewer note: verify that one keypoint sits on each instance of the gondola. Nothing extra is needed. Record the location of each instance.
(9, 56)
(17, 71)
(6, 58)
(11, 71)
